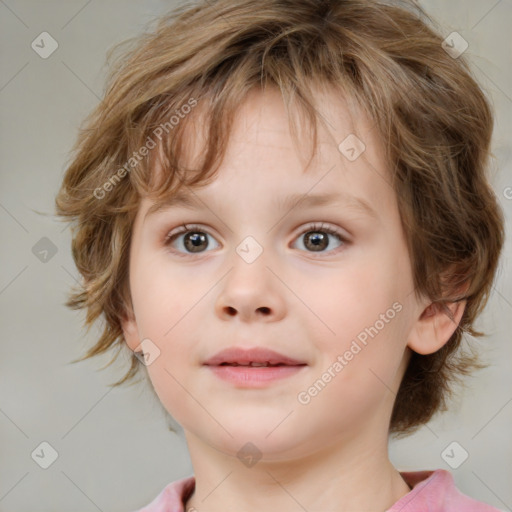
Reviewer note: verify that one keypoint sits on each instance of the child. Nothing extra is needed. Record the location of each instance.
(282, 210)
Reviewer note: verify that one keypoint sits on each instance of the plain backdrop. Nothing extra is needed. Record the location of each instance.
(112, 446)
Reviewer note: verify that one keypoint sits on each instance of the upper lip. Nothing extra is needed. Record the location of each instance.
(253, 355)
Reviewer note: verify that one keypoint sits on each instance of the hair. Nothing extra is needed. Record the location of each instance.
(426, 105)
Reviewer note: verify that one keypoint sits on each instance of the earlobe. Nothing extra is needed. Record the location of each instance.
(130, 331)
(434, 327)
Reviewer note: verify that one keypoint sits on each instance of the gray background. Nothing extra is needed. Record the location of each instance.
(114, 450)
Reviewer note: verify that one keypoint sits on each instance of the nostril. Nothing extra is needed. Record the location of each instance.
(232, 311)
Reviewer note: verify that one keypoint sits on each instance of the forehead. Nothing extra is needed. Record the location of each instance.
(262, 157)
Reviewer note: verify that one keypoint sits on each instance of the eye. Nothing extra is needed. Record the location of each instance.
(317, 238)
(195, 240)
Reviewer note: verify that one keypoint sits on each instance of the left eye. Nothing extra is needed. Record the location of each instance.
(195, 240)
(317, 237)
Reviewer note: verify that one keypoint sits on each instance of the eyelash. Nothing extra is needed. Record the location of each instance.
(194, 228)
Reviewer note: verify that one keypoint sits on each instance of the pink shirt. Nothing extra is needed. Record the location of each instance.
(432, 491)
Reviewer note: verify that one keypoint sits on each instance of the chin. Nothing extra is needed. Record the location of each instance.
(257, 442)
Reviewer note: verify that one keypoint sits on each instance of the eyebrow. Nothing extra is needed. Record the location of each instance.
(355, 203)
(191, 201)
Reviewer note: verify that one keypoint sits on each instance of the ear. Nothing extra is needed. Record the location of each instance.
(130, 331)
(434, 327)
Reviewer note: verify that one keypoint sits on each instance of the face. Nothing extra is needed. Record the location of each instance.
(325, 283)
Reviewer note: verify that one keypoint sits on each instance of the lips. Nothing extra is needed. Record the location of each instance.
(254, 357)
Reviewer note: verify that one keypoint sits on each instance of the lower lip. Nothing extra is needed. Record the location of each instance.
(255, 376)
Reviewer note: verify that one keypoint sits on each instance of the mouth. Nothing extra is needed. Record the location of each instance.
(254, 357)
(253, 368)
(255, 364)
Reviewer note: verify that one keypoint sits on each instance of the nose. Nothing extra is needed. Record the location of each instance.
(250, 292)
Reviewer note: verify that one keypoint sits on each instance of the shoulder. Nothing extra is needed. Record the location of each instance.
(435, 491)
(172, 497)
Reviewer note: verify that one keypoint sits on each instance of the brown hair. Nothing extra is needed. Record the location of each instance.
(426, 105)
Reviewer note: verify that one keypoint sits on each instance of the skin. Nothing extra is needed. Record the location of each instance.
(328, 454)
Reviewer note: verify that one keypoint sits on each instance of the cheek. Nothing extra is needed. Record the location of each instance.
(164, 296)
(171, 387)
(364, 319)
(168, 320)
(359, 374)
(353, 301)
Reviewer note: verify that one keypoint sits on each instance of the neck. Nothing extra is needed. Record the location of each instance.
(338, 478)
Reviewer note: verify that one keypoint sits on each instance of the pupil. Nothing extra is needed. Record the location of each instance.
(319, 240)
(194, 241)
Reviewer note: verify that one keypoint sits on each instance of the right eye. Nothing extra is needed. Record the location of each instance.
(190, 240)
